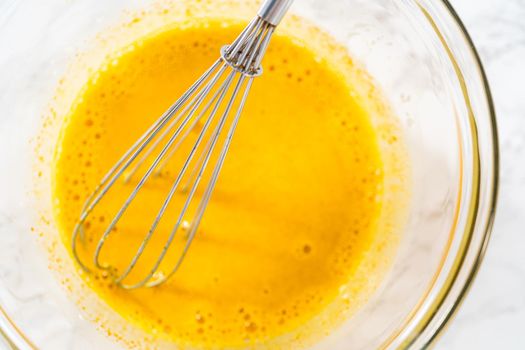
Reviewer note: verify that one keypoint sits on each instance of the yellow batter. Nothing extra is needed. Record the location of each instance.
(294, 213)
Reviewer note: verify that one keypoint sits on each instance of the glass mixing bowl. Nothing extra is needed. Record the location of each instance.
(417, 51)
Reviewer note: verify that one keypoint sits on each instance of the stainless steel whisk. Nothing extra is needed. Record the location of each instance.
(240, 62)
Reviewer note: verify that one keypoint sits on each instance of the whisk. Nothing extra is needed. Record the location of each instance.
(193, 113)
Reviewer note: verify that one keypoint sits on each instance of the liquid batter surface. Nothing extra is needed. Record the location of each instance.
(294, 215)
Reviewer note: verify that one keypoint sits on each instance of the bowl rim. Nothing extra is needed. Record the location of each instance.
(15, 338)
(473, 267)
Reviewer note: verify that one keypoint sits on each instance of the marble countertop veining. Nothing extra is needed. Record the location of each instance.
(493, 315)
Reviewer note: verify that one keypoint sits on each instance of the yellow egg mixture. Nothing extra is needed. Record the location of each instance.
(292, 237)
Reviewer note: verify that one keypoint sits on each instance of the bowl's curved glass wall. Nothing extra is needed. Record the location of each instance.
(418, 53)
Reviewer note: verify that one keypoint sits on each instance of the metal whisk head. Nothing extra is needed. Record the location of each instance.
(200, 125)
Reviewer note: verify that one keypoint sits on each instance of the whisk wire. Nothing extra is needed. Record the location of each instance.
(258, 44)
(191, 194)
(145, 177)
(128, 269)
(171, 193)
(207, 195)
(174, 149)
(191, 107)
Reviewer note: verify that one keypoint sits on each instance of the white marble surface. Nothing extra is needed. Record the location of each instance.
(493, 316)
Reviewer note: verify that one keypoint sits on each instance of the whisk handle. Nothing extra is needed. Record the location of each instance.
(273, 11)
